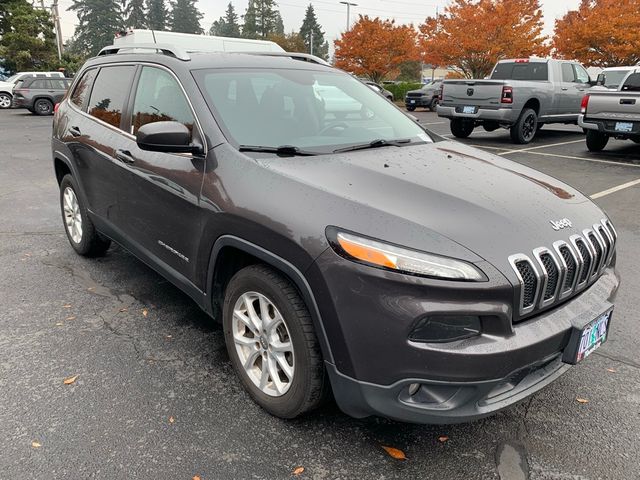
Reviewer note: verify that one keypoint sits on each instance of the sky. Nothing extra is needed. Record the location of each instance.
(332, 15)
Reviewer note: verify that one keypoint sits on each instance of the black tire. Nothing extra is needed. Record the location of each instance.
(461, 128)
(433, 106)
(92, 243)
(43, 106)
(596, 141)
(309, 386)
(525, 128)
(411, 109)
(5, 100)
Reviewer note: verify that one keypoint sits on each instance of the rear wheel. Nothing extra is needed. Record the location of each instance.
(5, 100)
(82, 235)
(43, 107)
(271, 342)
(461, 128)
(596, 141)
(525, 128)
(433, 106)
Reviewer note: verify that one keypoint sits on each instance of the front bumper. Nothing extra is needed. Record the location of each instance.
(418, 101)
(375, 363)
(501, 115)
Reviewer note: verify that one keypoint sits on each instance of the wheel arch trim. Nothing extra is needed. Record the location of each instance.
(284, 266)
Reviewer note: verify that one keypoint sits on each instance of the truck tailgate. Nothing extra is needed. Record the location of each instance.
(479, 93)
(619, 106)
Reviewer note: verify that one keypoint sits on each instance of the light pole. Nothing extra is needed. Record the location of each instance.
(349, 5)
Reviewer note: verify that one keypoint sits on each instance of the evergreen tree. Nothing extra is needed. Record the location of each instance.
(310, 26)
(135, 14)
(262, 19)
(157, 14)
(185, 17)
(226, 26)
(98, 22)
(28, 38)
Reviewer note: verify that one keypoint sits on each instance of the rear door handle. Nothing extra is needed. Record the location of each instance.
(125, 156)
(627, 101)
(75, 131)
(564, 89)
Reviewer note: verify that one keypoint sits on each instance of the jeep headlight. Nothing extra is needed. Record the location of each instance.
(391, 257)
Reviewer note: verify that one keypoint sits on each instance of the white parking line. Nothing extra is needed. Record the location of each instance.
(615, 189)
(595, 160)
(541, 146)
(433, 123)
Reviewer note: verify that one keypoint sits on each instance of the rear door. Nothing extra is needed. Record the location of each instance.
(575, 82)
(162, 189)
(94, 134)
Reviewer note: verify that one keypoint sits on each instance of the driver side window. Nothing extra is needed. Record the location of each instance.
(581, 74)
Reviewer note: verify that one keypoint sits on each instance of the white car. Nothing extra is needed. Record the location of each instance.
(6, 87)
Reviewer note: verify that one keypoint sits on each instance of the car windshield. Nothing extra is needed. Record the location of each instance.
(613, 78)
(312, 110)
(12, 78)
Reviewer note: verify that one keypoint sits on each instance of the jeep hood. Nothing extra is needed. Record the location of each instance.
(442, 197)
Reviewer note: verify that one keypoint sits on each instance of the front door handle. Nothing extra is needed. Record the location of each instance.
(125, 156)
(75, 131)
(564, 89)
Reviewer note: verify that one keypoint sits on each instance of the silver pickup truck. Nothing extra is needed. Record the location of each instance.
(521, 95)
(608, 114)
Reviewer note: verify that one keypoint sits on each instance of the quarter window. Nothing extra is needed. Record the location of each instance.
(109, 93)
(81, 92)
(159, 98)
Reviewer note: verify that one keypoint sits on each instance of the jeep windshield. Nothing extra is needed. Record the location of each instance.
(308, 110)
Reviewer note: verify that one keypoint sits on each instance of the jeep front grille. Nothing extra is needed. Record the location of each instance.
(549, 275)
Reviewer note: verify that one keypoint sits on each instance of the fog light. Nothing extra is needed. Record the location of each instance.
(413, 389)
(446, 328)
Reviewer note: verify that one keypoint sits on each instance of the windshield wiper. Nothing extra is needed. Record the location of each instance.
(282, 150)
(380, 142)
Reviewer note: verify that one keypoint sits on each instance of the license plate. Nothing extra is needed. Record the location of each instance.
(584, 341)
(624, 127)
(412, 101)
(469, 110)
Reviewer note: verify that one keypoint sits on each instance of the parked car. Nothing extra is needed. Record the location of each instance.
(607, 114)
(420, 279)
(426, 96)
(39, 95)
(611, 77)
(521, 95)
(379, 89)
(6, 87)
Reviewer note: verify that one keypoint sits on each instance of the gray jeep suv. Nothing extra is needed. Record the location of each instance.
(417, 278)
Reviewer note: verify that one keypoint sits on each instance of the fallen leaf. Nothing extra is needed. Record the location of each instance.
(395, 453)
(72, 317)
(68, 305)
(167, 336)
(123, 309)
(298, 471)
(70, 380)
(145, 312)
(171, 419)
(59, 324)
(35, 444)
(443, 438)
(612, 370)
(27, 254)
(91, 289)
(582, 400)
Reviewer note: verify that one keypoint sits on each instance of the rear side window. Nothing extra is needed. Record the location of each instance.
(80, 94)
(110, 91)
(40, 84)
(159, 98)
(58, 84)
(532, 71)
(568, 75)
(632, 84)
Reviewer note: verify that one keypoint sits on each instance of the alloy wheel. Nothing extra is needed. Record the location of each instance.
(263, 344)
(529, 127)
(72, 215)
(5, 101)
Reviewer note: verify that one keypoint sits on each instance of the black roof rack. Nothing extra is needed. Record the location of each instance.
(165, 49)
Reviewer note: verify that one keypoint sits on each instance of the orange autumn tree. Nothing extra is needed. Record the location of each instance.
(472, 35)
(375, 48)
(601, 33)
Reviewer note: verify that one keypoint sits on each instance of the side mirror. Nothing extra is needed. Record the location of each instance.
(169, 137)
(601, 79)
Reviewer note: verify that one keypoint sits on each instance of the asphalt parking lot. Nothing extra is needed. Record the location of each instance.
(156, 397)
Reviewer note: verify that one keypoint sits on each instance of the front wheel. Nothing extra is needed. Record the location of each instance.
(271, 342)
(410, 109)
(461, 128)
(525, 128)
(5, 100)
(433, 106)
(82, 235)
(596, 141)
